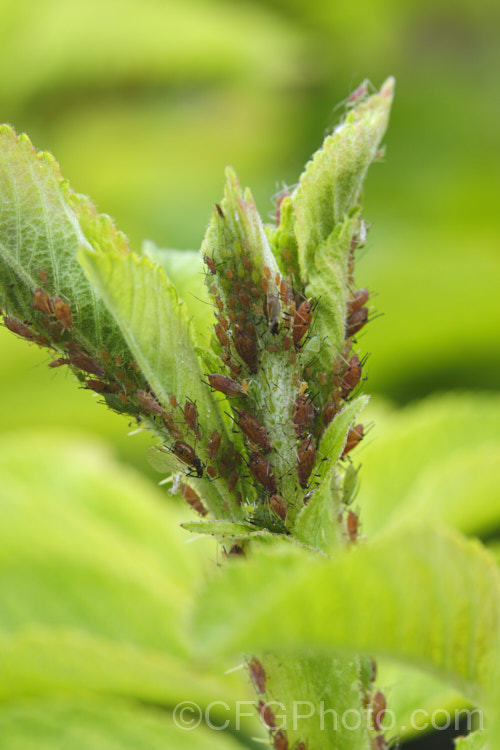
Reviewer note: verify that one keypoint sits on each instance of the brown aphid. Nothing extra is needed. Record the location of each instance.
(246, 348)
(301, 322)
(225, 385)
(105, 356)
(173, 402)
(255, 292)
(257, 674)
(229, 274)
(219, 210)
(16, 327)
(267, 716)
(378, 709)
(244, 299)
(149, 402)
(352, 376)
(99, 387)
(171, 426)
(212, 472)
(254, 431)
(186, 454)
(273, 348)
(272, 310)
(43, 301)
(223, 322)
(193, 499)
(62, 311)
(232, 316)
(220, 304)
(232, 301)
(292, 357)
(59, 362)
(210, 262)
(250, 329)
(247, 263)
(278, 505)
(280, 741)
(42, 340)
(302, 414)
(356, 321)
(358, 300)
(118, 360)
(191, 415)
(287, 343)
(330, 410)
(262, 472)
(284, 292)
(306, 458)
(354, 436)
(83, 362)
(213, 445)
(267, 272)
(232, 480)
(44, 276)
(352, 525)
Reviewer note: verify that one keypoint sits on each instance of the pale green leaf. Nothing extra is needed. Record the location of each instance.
(474, 741)
(436, 459)
(317, 525)
(419, 595)
(60, 723)
(155, 325)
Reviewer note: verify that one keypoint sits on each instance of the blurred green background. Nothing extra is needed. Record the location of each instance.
(144, 103)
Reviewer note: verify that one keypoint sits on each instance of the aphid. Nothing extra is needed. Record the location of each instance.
(213, 445)
(134, 366)
(272, 309)
(278, 505)
(306, 458)
(241, 316)
(212, 472)
(301, 322)
(280, 741)
(232, 316)
(352, 523)
(173, 402)
(62, 311)
(302, 414)
(222, 335)
(42, 341)
(186, 454)
(287, 344)
(16, 327)
(171, 426)
(229, 274)
(232, 480)
(262, 472)
(247, 263)
(352, 376)
(210, 262)
(254, 292)
(232, 301)
(358, 300)
(267, 716)
(118, 360)
(99, 387)
(225, 385)
(254, 431)
(257, 674)
(43, 301)
(219, 210)
(59, 362)
(220, 304)
(378, 709)
(321, 378)
(284, 292)
(223, 322)
(250, 329)
(244, 299)
(193, 499)
(358, 93)
(150, 403)
(287, 256)
(373, 675)
(236, 551)
(44, 277)
(378, 743)
(83, 362)
(246, 348)
(273, 348)
(191, 415)
(354, 436)
(267, 272)
(105, 356)
(356, 321)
